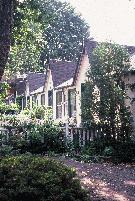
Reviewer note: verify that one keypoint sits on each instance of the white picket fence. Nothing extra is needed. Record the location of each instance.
(78, 135)
(82, 135)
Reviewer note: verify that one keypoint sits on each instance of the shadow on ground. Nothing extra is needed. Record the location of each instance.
(106, 182)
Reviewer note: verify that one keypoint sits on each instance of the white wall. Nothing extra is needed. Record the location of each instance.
(81, 78)
(129, 79)
(48, 86)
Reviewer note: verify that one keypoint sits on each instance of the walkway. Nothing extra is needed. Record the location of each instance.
(106, 182)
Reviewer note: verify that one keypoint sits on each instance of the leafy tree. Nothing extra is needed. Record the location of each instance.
(27, 40)
(6, 10)
(108, 64)
(45, 29)
(66, 31)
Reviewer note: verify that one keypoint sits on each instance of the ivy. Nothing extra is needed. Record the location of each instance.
(104, 101)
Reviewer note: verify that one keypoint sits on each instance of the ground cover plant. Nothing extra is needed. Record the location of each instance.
(104, 151)
(36, 178)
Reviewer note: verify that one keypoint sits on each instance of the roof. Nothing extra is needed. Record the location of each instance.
(89, 46)
(36, 81)
(39, 90)
(65, 84)
(62, 71)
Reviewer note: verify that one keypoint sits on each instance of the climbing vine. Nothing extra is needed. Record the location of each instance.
(103, 99)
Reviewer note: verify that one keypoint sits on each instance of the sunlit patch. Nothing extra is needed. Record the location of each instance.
(102, 188)
(107, 182)
(130, 183)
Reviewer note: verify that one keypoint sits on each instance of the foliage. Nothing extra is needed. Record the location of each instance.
(109, 151)
(65, 32)
(27, 40)
(3, 90)
(5, 150)
(35, 137)
(37, 115)
(44, 29)
(4, 108)
(117, 151)
(41, 112)
(36, 178)
(103, 101)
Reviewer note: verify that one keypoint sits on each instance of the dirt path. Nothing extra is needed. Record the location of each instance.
(106, 182)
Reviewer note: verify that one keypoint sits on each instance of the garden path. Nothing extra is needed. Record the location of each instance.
(106, 182)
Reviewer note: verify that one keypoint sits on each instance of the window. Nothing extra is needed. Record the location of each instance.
(43, 99)
(64, 99)
(34, 100)
(50, 98)
(82, 87)
(59, 104)
(24, 102)
(71, 102)
(28, 102)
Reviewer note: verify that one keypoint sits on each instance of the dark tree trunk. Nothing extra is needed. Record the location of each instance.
(6, 11)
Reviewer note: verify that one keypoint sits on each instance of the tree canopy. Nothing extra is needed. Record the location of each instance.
(106, 105)
(43, 30)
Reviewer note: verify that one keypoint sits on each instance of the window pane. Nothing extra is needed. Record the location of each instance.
(24, 102)
(64, 104)
(34, 99)
(59, 97)
(59, 104)
(50, 98)
(43, 99)
(59, 111)
(71, 102)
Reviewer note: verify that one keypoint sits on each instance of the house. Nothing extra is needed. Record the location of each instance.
(61, 86)
(30, 89)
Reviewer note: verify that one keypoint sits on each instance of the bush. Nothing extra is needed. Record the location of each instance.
(35, 178)
(37, 138)
(5, 150)
(43, 138)
(117, 150)
(109, 151)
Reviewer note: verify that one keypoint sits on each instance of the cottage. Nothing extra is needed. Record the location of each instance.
(61, 86)
(30, 89)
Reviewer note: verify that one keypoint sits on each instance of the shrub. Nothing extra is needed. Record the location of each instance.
(117, 150)
(109, 151)
(36, 138)
(43, 138)
(5, 150)
(35, 178)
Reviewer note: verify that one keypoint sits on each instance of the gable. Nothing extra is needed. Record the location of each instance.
(62, 71)
(49, 82)
(36, 81)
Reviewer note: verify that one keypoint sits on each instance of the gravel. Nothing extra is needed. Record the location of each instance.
(106, 182)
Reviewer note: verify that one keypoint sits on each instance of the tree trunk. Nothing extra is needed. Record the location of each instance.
(6, 11)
